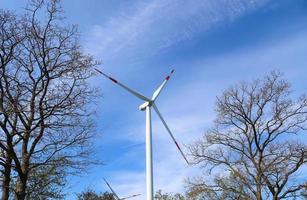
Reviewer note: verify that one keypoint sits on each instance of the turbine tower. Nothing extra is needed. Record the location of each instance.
(146, 106)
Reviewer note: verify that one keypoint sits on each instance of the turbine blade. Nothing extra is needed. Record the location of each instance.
(113, 192)
(160, 88)
(170, 133)
(123, 86)
(130, 196)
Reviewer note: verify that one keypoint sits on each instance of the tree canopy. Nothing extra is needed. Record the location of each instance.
(255, 146)
(45, 97)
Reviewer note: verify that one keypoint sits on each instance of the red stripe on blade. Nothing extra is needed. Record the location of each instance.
(177, 145)
(112, 79)
(167, 78)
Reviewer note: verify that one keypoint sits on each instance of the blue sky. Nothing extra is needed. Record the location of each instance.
(211, 44)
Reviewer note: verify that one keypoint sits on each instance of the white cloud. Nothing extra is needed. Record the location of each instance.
(155, 25)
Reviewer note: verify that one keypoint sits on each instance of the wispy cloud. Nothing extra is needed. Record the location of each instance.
(154, 25)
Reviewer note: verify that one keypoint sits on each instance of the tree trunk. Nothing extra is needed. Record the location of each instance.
(23, 173)
(21, 190)
(259, 189)
(6, 178)
(23, 177)
(259, 196)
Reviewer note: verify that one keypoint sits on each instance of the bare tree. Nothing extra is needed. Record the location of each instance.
(10, 39)
(256, 141)
(91, 195)
(226, 188)
(46, 182)
(45, 114)
(168, 196)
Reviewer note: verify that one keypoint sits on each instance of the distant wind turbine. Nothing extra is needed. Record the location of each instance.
(149, 102)
(115, 195)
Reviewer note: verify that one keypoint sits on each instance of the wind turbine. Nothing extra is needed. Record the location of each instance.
(116, 196)
(146, 106)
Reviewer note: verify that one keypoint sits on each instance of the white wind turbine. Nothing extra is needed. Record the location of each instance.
(116, 196)
(147, 105)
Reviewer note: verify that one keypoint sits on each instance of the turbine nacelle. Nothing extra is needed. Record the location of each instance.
(145, 104)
